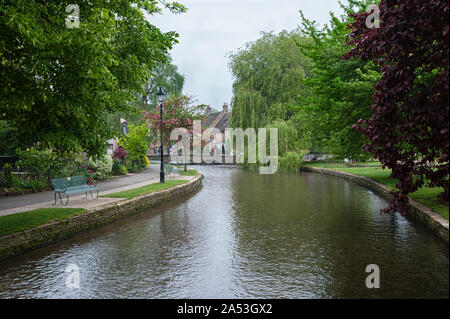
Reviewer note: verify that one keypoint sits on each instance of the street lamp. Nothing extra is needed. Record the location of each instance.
(161, 97)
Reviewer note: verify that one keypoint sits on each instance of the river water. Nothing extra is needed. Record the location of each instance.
(244, 235)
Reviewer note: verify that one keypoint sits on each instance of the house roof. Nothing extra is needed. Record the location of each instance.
(210, 119)
(223, 122)
(217, 120)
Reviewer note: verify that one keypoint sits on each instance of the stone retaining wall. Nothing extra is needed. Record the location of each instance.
(29, 239)
(433, 221)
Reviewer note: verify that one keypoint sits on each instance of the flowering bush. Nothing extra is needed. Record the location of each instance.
(146, 161)
(88, 174)
(101, 168)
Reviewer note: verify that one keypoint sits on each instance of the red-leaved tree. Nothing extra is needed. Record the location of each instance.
(409, 131)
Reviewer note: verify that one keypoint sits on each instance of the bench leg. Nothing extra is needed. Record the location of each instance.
(96, 194)
(67, 200)
(54, 203)
(86, 196)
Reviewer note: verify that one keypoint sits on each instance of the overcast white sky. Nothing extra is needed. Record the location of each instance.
(212, 28)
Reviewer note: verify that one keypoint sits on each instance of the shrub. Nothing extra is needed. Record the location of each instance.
(290, 161)
(135, 165)
(118, 168)
(46, 164)
(42, 163)
(146, 161)
(3, 181)
(10, 179)
(101, 167)
(88, 174)
(123, 170)
(135, 142)
(120, 153)
(35, 185)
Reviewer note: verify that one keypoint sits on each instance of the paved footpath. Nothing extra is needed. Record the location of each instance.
(20, 203)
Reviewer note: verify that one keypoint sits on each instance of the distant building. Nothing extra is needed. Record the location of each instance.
(112, 146)
(218, 120)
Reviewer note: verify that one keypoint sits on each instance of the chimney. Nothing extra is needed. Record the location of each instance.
(225, 107)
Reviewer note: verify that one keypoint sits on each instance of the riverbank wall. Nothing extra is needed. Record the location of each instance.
(26, 240)
(432, 220)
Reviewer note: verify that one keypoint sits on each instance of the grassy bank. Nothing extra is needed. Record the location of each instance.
(25, 220)
(189, 172)
(425, 196)
(339, 164)
(146, 189)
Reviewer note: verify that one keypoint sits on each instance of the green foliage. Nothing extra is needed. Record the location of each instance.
(288, 138)
(167, 77)
(118, 168)
(267, 76)
(59, 82)
(291, 161)
(123, 170)
(136, 142)
(46, 164)
(8, 139)
(102, 167)
(8, 176)
(34, 184)
(340, 90)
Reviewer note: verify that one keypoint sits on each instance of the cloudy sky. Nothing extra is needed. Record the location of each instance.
(212, 28)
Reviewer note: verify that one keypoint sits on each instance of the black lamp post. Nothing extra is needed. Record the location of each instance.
(161, 97)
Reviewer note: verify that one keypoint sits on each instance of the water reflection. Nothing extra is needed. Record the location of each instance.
(244, 235)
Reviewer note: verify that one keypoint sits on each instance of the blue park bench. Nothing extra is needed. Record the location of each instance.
(73, 185)
(170, 168)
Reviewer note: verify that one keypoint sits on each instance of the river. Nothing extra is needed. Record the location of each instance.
(244, 235)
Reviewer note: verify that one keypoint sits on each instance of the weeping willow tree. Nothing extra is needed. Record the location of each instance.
(267, 77)
(291, 148)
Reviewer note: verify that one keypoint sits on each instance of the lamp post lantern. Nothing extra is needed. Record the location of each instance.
(161, 97)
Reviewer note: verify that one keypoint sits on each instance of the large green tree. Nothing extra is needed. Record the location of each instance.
(166, 77)
(340, 89)
(57, 82)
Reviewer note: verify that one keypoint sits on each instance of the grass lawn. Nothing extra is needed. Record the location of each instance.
(146, 189)
(337, 164)
(189, 172)
(25, 220)
(425, 196)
